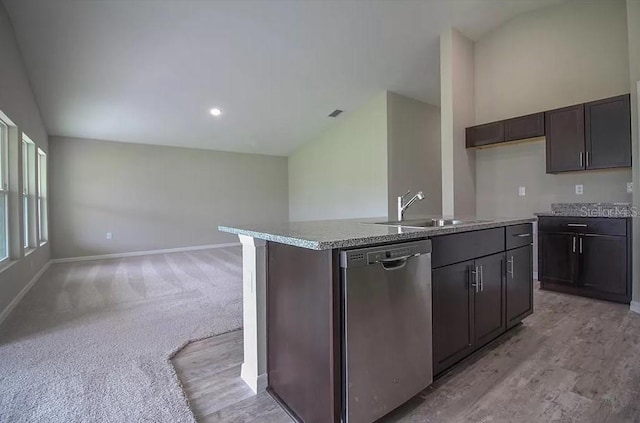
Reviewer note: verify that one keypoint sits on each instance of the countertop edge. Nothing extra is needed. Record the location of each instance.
(374, 239)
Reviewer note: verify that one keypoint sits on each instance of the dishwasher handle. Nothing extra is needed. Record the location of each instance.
(395, 263)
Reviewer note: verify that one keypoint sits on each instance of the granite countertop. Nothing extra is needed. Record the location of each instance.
(331, 234)
(606, 210)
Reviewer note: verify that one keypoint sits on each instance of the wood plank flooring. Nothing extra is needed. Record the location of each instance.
(574, 360)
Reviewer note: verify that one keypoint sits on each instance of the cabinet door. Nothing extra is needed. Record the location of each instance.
(489, 299)
(489, 133)
(452, 314)
(564, 130)
(557, 258)
(524, 127)
(519, 298)
(608, 133)
(603, 263)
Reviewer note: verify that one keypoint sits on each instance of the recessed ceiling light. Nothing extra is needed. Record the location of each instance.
(215, 112)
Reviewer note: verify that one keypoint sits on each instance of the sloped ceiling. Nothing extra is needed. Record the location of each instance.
(148, 71)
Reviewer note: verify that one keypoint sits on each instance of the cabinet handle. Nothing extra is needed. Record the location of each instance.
(475, 283)
(581, 159)
(580, 245)
(511, 261)
(481, 278)
(587, 154)
(574, 244)
(522, 235)
(577, 225)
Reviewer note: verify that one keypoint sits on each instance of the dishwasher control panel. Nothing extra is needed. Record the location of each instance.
(376, 256)
(371, 255)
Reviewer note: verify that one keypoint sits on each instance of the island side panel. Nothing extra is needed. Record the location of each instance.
(303, 332)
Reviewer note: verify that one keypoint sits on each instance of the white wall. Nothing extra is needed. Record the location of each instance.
(156, 197)
(18, 103)
(343, 173)
(548, 58)
(414, 153)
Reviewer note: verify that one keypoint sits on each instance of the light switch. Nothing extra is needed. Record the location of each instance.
(629, 187)
(522, 191)
(109, 235)
(579, 189)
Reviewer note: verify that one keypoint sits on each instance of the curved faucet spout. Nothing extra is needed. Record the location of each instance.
(402, 206)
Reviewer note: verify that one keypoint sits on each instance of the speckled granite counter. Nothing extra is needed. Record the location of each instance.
(608, 210)
(331, 234)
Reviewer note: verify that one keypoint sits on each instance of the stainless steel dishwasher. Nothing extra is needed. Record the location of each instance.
(387, 348)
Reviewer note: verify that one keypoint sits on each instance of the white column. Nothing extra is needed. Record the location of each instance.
(457, 111)
(254, 299)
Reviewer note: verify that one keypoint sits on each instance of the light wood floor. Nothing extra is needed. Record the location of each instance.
(574, 360)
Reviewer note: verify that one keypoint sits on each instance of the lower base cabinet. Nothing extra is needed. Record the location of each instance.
(586, 256)
(477, 300)
(519, 281)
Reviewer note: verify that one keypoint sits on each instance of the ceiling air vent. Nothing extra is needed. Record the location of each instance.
(335, 113)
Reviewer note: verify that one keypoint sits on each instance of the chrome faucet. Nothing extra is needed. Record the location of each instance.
(402, 206)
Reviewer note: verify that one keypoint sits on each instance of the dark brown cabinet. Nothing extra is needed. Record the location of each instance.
(608, 133)
(564, 129)
(452, 314)
(467, 308)
(488, 297)
(586, 256)
(557, 257)
(595, 135)
(524, 127)
(471, 290)
(603, 263)
(481, 135)
(519, 128)
(519, 282)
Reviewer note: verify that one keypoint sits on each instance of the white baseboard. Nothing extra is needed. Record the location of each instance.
(8, 309)
(635, 306)
(256, 383)
(144, 253)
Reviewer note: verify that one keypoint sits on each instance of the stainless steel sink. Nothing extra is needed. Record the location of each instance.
(427, 223)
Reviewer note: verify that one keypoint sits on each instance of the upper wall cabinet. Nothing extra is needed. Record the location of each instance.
(518, 128)
(524, 127)
(489, 133)
(608, 133)
(565, 139)
(596, 135)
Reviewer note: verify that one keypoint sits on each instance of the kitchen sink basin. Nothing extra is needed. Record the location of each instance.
(427, 223)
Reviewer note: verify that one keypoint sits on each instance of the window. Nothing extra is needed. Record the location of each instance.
(43, 229)
(4, 193)
(28, 171)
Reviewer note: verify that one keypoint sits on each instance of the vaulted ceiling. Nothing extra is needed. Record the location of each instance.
(149, 71)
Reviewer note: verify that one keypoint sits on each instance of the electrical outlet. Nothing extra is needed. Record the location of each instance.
(629, 187)
(522, 191)
(109, 235)
(579, 189)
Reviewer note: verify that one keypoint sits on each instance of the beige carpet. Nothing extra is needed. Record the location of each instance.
(91, 341)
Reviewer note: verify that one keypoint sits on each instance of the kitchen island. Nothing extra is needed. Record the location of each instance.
(480, 280)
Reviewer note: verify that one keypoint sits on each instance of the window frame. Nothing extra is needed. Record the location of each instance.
(28, 179)
(4, 185)
(41, 200)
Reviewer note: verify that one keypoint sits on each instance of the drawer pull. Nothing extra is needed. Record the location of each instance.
(577, 225)
(521, 235)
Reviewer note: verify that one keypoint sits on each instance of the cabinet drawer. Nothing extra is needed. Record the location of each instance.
(519, 235)
(454, 248)
(584, 225)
